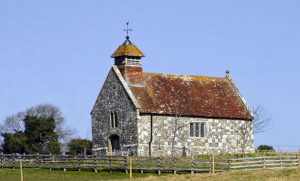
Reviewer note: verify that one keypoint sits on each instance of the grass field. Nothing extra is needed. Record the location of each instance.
(262, 175)
(59, 175)
(47, 175)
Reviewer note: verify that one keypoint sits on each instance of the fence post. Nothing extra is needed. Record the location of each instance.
(64, 164)
(52, 159)
(126, 164)
(229, 165)
(37, 159)
(14, 162)
(78, 161)
(21, 171)
(95, 164)
(192, 165)
(174, 165)
(159, 165)
(24, 161)
(109, 163)
(264, 162)
(298, 158)
(98, 165)
(130, 167)
(140, 163)
(213, 164)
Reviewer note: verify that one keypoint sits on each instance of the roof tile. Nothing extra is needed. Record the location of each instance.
(183, 95)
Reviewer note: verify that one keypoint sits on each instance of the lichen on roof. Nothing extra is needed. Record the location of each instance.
(127, 49)
(189, 95)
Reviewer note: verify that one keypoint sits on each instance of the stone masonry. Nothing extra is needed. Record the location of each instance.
(113, 97)
(164, 135)
(221, 136)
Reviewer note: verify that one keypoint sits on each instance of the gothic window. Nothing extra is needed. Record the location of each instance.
(116, 119)
(113, 119)
(197, 129)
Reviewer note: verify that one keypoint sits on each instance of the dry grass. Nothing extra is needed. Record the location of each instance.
(46, 175)
(262, 175)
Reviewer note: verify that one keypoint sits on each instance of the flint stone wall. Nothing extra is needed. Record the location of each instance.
(113, 97)
(221, 136)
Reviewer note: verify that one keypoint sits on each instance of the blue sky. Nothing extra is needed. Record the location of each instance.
(59, 51)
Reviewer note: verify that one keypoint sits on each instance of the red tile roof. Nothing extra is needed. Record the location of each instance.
(181, 95)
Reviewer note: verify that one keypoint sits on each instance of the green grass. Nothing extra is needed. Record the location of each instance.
(59, 175)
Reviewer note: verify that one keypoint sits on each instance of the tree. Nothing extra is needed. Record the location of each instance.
(54, 147)
(47, 111)
(39, 132)
(15, 123)
(14, 142)
(35, 130)
(177, 126)
(80, 147)
(261, 121)
(245, 131)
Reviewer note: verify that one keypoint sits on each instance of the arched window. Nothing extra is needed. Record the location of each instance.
(116, 119)
(113, 119)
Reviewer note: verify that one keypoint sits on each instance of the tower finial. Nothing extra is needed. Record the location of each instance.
(227, 72)
(127, 30)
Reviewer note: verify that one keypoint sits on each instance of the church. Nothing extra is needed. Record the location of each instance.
(153, 114)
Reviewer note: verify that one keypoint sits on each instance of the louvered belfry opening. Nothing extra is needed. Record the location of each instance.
(128, 58)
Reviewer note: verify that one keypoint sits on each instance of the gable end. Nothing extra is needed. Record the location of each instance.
(119, 77)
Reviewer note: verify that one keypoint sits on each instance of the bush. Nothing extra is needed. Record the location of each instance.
(80, 147)
(265, 148)
(54, 147)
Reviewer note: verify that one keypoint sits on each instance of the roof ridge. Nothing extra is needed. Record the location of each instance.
(182, 75)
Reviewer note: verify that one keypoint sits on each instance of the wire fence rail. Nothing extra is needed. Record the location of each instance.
(147, 164)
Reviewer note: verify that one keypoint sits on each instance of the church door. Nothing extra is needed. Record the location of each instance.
(115, 142)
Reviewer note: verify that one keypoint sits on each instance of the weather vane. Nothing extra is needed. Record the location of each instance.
(127, 29)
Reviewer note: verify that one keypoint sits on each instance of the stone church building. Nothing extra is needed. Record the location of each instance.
(153, 114)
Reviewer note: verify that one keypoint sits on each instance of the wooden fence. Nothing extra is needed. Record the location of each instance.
(147, 164)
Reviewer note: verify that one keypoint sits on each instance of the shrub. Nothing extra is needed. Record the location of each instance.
(80, 147)
(265, 148)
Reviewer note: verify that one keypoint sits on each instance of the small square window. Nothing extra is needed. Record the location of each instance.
(197, 129)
